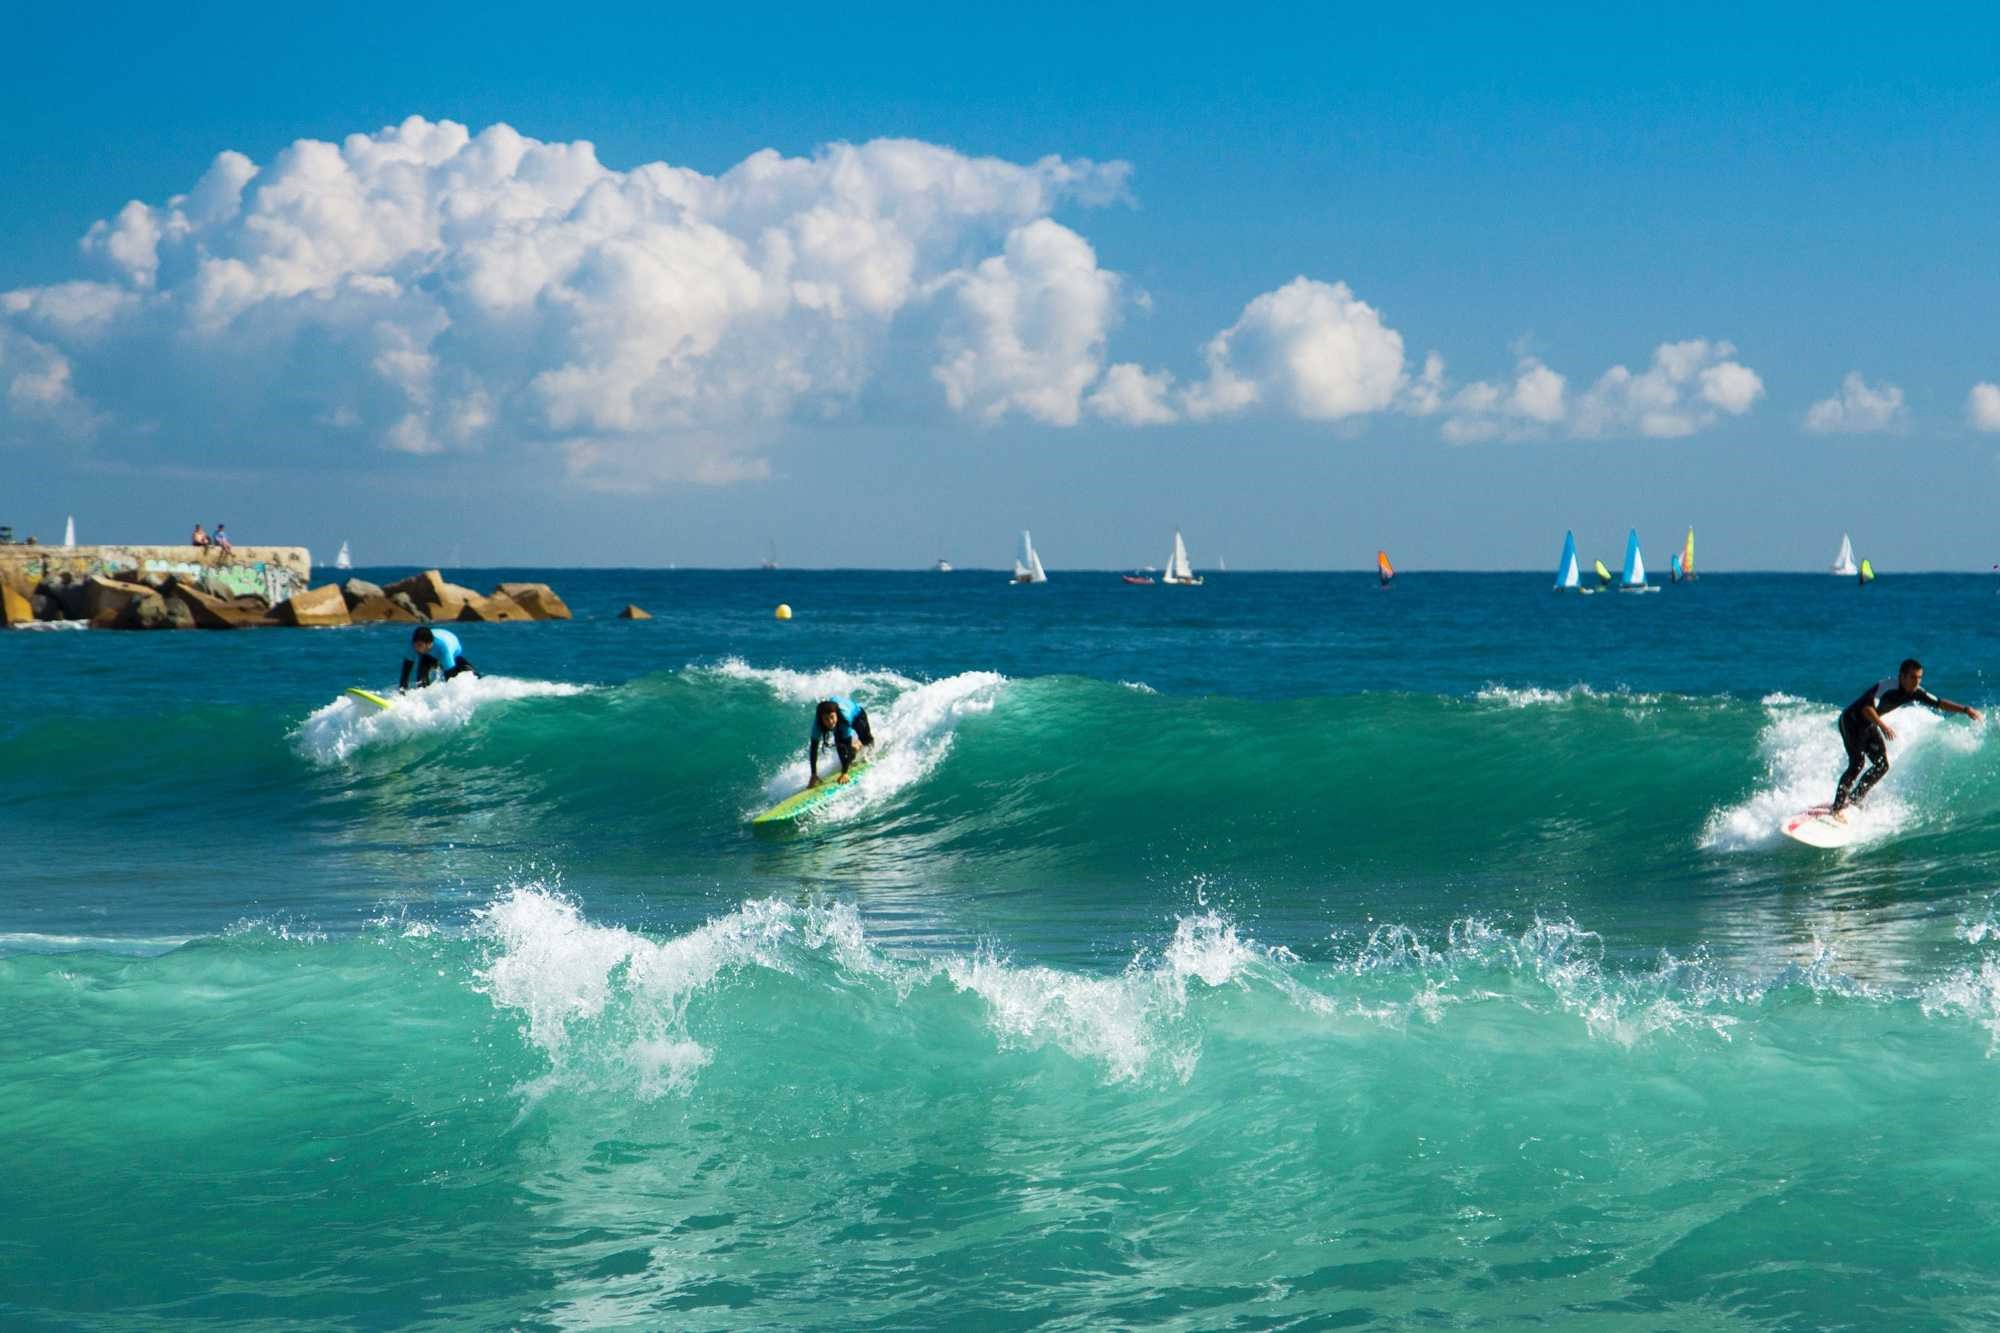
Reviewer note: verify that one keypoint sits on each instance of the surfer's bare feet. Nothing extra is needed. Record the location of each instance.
(1837, 816)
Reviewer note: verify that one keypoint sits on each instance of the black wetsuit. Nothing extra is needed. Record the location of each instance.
(851, 725)
(1866, 748)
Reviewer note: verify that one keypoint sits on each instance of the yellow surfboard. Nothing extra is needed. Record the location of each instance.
(796, 805)
(369, 697)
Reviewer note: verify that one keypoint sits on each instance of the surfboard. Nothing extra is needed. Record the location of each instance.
(810, 798)
(369, 697)
(1817, 828)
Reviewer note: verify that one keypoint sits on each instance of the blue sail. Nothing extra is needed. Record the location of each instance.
(1634, 573)
(1566, 571)
(1674, 566)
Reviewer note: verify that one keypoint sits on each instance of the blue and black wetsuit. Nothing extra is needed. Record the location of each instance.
(445, 656)
(1866, 748)
(849, 727)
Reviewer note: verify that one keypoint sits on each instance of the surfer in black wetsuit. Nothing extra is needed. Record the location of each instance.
(1863, 731)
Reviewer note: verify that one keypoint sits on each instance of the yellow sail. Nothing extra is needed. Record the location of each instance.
(1867, 572)
(1687, 557)
(1602, 572)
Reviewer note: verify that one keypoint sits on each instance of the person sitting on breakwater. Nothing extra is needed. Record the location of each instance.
(200, 538)
(221, 539)
(842, 723)
(1863, 731)
(433, 650)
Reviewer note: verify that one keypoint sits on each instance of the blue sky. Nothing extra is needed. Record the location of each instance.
(1782, 198)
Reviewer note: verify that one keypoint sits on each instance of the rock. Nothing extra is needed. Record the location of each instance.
(537, 599)
(102, 595)
(148, 612)
(404, 600)
(314, 608)
(178, 615)
(372, 609)
(433, 596)
(16, 607)
(207, 611)
(497, 607)
(68, 592)
(47, 607)
(357, 591)
(634, 613)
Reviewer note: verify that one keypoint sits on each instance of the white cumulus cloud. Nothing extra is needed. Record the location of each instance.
(1982, 407)
(425, 289)
(1689, 387)
(1534, 400)
(1311, 349)
(1858, 408)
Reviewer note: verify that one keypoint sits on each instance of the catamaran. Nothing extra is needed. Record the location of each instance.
(1633, 577)
(1567, 579)
(1028, 565)
(1843, 564)
(343, 560)
(1383, 569)
(1178, 569)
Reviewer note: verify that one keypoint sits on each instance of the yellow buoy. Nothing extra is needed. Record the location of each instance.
(784, 611)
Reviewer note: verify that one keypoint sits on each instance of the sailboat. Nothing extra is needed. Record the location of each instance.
(1221, 565)
(1633, 577)
(1674, 567)
(1687, 559)
(1383, 569)
(1566, 570)
(1866, 574)
(1844, 562)
(1603, 577)
(343, 560)
(1178, 569)
(1028, 565)
(770, 556)
(69, 531)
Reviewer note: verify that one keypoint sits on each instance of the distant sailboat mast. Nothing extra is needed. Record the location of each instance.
(1843, 564)
(1028, 564)
(344, 560)
(69, 531)
(1179, 570)
(771, 556)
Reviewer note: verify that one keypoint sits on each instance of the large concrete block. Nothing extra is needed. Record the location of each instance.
(433, 596)
(207, 611)
(16, 607)
(102, 596)
(497, 607)
(537, 599)
(315, 608)
(381, 608)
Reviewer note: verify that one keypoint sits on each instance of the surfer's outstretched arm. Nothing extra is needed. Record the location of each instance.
(1964, 710)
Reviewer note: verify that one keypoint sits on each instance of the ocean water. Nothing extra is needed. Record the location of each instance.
(1282, 953)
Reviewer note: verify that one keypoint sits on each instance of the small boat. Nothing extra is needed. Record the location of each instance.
(1028, 564)
(1687, 559)
(770, 557)
(1843, 564)
(1674, 567)
(1383, 569)
(1633, 577)
(1221, 565)
(344, 560)
(943, 565)
(1179, 571)
(1567, 579)
(1866, 574)
(1141, 579)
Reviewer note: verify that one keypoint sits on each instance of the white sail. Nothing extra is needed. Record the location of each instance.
(1843, 563)
(1179, 570)
(1028, 565)
(343, 560)
(69, 531)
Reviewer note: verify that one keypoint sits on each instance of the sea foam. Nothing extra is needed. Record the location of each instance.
(336, 730)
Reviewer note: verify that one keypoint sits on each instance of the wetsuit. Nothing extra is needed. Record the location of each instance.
(850, 726)
(1866, 748)
(445, 656)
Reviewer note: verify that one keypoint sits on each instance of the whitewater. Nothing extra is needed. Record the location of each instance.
(1280, 953)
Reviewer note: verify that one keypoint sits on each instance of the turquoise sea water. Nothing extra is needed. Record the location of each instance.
(1282, 953)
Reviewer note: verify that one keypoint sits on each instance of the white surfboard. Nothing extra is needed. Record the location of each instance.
(1818, 828)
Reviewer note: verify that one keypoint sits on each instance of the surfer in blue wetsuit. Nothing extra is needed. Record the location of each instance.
(843, 724)
(1864, 733)
(433, 651)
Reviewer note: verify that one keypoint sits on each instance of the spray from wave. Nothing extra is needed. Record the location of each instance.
(336, 730)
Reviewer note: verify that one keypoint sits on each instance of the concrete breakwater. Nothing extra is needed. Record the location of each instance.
(188, 587)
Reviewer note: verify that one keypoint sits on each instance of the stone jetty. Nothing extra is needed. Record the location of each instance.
(192, 587)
